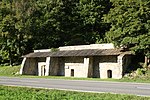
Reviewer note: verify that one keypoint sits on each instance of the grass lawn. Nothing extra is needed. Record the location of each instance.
(22, 93)
(11, 71)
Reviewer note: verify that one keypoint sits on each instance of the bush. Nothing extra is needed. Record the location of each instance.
(141, 71)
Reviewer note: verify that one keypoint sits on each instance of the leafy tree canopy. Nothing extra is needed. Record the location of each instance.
(130, 24)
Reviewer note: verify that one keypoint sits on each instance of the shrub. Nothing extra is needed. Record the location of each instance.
(141, 71)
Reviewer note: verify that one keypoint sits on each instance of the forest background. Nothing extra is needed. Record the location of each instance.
(26, 25)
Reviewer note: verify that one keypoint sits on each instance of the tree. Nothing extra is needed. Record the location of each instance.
(13, 19)
(26, 25)
(68, 22)
(44, 25)
(130, 23)
(7, 30)
(91, 23)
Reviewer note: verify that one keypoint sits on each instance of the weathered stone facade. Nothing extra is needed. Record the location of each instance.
(101, 60)
(29, 66)
(104, 66)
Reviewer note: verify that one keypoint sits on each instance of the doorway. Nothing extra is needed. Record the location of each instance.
(72, 72)
(43, 70)
(109, 73)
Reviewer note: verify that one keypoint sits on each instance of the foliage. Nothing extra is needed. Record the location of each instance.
(91, 23)
(13, 29)
(26, 25)
(130, 24)
(140, 71)
(20, 93)
(54, 49)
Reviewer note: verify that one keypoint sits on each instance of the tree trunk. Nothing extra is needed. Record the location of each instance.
(146, 62)
(10, 58)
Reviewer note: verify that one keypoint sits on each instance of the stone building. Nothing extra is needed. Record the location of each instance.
(95, 60)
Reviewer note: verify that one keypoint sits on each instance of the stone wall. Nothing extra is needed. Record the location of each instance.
(30, 67)
(116, 64)
(90, 67)
(58, 65)
(62, 66)
(41, 59)
(78, 69)
(61, 69)
(97, 66)
(101, 59)
(76, 64)
(74, 59)
(116, 70)
(54, 66)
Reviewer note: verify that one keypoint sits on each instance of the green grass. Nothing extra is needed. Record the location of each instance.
(22, 93)
(136, 79)
(11, 71)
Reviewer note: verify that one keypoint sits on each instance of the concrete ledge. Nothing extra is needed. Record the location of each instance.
(91, 46)
(43, 50)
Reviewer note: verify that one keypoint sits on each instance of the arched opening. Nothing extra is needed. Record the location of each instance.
(109, 73)
(72, 72)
